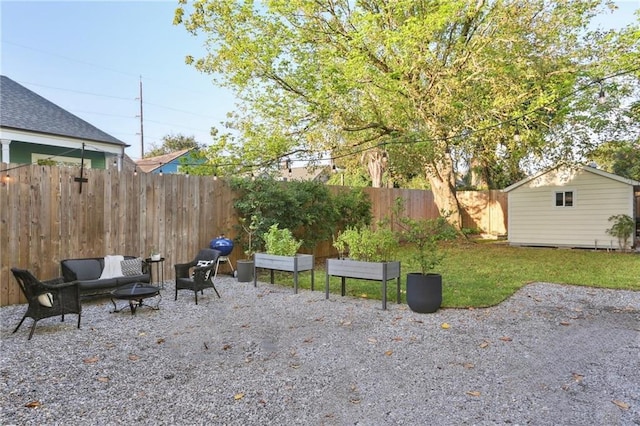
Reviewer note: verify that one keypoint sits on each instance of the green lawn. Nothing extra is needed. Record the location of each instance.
(484, 274)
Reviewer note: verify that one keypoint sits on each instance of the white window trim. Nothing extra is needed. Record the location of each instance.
(563, 190)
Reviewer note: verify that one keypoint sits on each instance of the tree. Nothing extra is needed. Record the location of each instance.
(172, 143)
(433, 82)
(620, 158)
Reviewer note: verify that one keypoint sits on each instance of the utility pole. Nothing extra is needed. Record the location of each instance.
(141, 123)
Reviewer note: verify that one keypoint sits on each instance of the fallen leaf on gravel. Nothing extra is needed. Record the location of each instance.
(388, 353)
(345, 323)
(103, 379)
(621, 404)
(372, 340)
(319, 319)
(565, 323)
(468, 365)
(484, 344)
(577, 377)
(142, 334)
(133, 357)
(418, 321)
(308, 340)
(445, 325)
(244, 326)
(91, 360)
(160, 340)
(33, 404)
(238, 396)
(397, 339)
(506, 339)
(473, 393)
(226, 347)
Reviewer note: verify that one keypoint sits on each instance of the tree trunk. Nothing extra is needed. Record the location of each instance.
(442, 179)
(376, 163)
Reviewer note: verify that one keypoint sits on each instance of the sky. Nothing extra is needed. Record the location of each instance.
(89, 57)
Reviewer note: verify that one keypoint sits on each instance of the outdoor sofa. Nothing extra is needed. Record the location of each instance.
(93, 279)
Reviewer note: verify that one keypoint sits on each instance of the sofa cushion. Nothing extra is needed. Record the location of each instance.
(105, 283)
(83, 269)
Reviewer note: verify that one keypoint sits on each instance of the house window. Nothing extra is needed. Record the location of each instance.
(60, 160)
(564, 199)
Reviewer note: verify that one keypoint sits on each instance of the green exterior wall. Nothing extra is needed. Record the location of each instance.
(20, 153)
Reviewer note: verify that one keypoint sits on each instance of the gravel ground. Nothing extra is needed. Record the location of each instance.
(549, 355)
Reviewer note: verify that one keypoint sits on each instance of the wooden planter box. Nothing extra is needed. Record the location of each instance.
(375, 271)
(295, 264)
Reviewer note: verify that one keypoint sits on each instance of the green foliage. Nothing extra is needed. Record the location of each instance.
(622, 229)
(424, 236)
(366, 244)
(172, 143)
(620, 158)
(306, 208)
(248, 237)
(280, 242)
(428, 79)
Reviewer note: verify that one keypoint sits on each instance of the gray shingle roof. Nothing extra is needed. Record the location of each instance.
(22, 109)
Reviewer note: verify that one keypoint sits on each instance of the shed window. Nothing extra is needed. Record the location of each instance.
(564, 199)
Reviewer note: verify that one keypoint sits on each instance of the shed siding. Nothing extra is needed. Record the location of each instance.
(535, 220)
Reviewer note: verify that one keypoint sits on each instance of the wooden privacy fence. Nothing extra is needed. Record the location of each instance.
(44, 217)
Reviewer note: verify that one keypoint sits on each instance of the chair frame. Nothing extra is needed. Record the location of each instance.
(199, 280)
(66, 298)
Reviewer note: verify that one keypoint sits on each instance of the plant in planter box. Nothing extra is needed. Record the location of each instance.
(370, 253)
(366, 244)
(282, 254)
(424, 288)
(280, 241)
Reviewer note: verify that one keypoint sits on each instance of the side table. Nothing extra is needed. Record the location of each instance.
(159, 270)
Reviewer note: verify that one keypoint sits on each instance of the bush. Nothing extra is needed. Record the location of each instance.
(622, 229)
(306, 208)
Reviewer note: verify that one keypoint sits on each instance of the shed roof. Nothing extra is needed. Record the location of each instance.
(588, 169)
(22, 109)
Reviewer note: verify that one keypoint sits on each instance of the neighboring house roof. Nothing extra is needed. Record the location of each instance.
(22, 109)
(588, 169)
(150, 164)
(318, 173)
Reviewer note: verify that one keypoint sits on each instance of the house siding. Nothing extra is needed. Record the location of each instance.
(535, 220)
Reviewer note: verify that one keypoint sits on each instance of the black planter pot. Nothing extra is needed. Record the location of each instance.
(245, 271)
(424, 292)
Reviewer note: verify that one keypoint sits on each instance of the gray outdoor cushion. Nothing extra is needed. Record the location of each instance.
(84, 269)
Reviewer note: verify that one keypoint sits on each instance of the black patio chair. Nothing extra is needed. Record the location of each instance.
(201, 277)
(47, 298)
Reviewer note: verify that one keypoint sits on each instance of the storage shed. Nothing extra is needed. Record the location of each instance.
(570, 206)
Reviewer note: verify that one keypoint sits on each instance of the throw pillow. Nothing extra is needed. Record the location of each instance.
(46, 300)
(131, 267)
(205, 263)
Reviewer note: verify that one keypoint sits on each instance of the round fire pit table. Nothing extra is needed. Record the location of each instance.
(135, 293)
